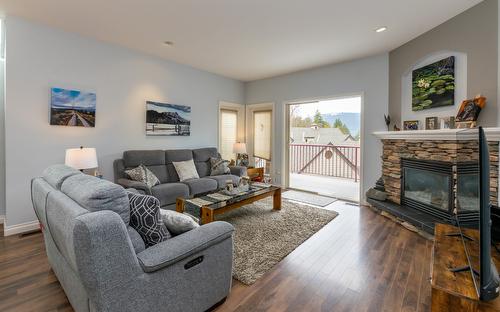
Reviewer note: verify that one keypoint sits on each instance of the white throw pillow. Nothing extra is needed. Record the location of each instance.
(176, 222)
(186, 170)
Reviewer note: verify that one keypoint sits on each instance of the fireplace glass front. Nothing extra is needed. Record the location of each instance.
(468, 192)
(427, 187)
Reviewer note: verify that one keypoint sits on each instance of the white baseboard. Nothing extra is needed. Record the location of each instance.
(2, 219)
(21, 228)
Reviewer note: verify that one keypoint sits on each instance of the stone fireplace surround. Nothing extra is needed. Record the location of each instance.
(429, 145)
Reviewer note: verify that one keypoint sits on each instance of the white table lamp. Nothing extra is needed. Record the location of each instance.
(239, 148)
(81, 158)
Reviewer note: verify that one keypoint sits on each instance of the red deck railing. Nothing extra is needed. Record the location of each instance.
(326, 159)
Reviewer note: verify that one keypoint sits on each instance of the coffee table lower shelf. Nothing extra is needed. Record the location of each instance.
(208, 213)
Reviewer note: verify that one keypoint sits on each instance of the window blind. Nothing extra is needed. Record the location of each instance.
(228, 133)
(262, 134)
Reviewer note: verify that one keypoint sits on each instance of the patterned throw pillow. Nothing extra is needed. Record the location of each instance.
(219, 166)
(146, 219)
(144, 175)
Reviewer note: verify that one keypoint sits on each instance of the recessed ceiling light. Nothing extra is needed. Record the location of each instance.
(168, 43)
(381, 29)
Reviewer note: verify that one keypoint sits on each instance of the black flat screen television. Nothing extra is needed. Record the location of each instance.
(473, 208)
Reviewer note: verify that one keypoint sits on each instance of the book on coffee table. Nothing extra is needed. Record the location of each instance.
(219, 196)
(261, 185)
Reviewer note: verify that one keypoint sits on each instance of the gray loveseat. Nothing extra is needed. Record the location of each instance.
(160, 163)
(101, 262)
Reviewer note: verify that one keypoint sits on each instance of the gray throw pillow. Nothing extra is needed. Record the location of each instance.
(144, 175)
(219, 166)
(146, 219)
(176, 222)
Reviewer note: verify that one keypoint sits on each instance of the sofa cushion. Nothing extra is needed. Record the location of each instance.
(145, 218)
(204, 154)
(136, 240)
(144, 175)
(221, 179)
(202, 185)
(56, 174)
(176, 155)
(185, 170)
(167, 193)
(143, 157)
(202, 157)
(96, 194)
(154, 160)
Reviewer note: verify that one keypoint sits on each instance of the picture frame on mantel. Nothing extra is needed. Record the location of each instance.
(448, 122)
(431, 123)
(410, 124)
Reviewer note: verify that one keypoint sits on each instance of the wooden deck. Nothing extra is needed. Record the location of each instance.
(340, 188)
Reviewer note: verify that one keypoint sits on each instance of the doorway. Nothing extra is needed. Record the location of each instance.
(324, 150)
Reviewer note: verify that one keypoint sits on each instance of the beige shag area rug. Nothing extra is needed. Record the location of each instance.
(263, 236)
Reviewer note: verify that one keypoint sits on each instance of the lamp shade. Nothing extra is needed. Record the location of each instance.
(81, 158)
(240, 148)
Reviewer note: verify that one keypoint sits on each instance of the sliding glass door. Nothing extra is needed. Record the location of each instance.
(324, 153)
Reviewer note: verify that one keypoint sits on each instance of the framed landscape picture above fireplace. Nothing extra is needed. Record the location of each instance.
(433, 85)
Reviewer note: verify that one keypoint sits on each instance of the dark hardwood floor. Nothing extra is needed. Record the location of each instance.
(360, 261)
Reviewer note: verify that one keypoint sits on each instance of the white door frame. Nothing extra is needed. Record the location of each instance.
(285, 159)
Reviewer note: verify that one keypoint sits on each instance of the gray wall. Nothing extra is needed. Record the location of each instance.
(368, 76)
(39, 57)
(475, 33)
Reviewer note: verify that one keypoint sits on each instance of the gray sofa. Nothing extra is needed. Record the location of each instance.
(160, 163)
(102, 263)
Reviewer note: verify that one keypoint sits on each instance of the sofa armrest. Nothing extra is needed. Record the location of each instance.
(239, 171)
(126, 183)
(182, 246)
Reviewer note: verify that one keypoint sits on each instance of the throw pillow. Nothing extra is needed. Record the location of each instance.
(219, 166)
(146, 219)
(176, 222)
(144, 175)
(186, 170)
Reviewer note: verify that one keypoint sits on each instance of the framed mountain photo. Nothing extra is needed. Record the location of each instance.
(167, 119)
(434, 85)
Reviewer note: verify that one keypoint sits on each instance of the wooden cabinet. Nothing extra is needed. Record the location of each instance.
(454, 291)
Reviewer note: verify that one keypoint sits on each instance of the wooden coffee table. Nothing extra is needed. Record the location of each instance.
(209, 212)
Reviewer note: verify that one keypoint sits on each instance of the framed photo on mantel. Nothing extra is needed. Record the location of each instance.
(431, 123)
(410, 125)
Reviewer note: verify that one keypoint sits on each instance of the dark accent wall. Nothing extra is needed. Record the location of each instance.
(474, 32)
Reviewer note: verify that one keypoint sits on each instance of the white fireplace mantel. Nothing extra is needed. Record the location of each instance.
(492, 134)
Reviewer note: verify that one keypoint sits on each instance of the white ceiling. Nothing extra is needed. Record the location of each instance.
(245, 39)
